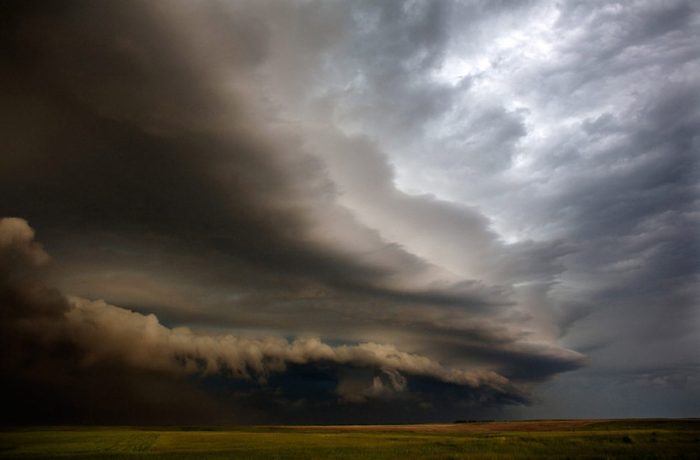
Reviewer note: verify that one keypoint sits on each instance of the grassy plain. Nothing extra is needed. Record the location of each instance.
(576, 439)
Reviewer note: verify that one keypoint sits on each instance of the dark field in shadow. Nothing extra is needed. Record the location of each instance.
(588, 439)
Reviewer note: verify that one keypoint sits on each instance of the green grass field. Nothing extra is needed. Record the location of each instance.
(583, 439)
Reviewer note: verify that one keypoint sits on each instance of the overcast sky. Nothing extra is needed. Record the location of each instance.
(349, 211)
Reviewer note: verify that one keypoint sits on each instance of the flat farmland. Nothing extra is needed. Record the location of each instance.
(580, 439)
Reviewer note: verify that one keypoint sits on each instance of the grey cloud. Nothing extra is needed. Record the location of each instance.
(595, 136)
(642, 22)
(626, 191)
(235, 170)
(607, 47)
(483, 141)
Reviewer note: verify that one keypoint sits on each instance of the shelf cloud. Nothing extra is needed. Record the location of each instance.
(263, 211)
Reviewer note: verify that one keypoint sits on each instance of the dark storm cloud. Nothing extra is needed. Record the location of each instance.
(52, 341)
(574, 124)
(240, 168)
(135, 134)
(144, 148)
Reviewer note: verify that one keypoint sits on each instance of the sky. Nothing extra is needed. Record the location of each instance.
(266, 211)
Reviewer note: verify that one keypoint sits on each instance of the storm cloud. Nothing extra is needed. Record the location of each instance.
(43, 332)
(302, 208)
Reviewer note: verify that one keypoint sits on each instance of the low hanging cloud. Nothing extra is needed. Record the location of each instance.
(112, 333)
(39, 321)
